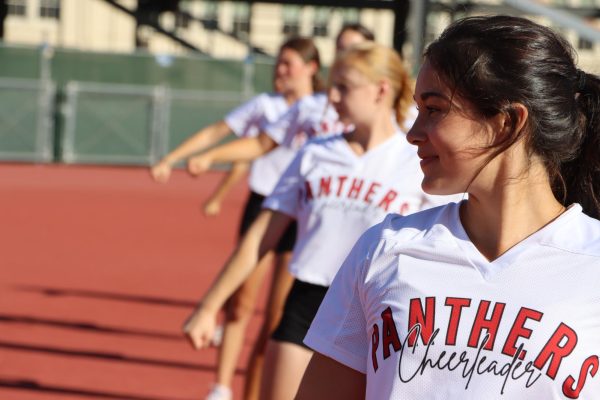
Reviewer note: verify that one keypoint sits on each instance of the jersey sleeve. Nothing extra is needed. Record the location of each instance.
(286, 126)
(289, 190)
(339, 330)
(245, 119)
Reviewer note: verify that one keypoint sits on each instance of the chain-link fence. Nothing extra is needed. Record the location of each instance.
(79, 107)
(26, 119)
(128, 124)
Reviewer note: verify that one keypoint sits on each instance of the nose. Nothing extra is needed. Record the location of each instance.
(415, 134)
(333, 94)
(280, 69)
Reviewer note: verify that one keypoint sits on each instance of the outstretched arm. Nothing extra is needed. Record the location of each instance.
(245, 149)
(326, 379)
(263, 235)
(200, 140)
(212, 206)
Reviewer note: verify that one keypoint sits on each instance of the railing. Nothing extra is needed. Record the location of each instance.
(26, 120)
(128, 124)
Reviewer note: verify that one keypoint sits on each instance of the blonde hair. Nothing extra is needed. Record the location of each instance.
(378, 62)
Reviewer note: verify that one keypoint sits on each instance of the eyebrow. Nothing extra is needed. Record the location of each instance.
(426, 95)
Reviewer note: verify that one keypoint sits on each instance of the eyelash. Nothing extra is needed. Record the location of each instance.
(429, 109)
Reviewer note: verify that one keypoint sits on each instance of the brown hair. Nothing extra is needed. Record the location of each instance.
(358, 28)
(306, 48)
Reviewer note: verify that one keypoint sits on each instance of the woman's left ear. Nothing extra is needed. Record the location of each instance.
(522, 113)
(504, 121)
(314, 68)
(384, 89)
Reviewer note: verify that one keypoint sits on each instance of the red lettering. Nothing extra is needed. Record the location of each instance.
(390, 333)
(553, 349)
(425, 319)
(490, 325)
(403, 209)
(341, 180)
(389, 197)
(374, 186)
(355, 188)
(457, 305)
(589, 365)
(325, 186)
(309, 193)
(375, 345)
(518, 330)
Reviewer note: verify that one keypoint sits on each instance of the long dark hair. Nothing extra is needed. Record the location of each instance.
(494, 62)
(306, 48)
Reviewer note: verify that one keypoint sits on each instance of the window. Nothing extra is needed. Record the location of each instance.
(210, 15)
(182, 19)
(241, 19)
(291, 20)
(321, 21)
(183, 15)
(350, 15)
(50, 9)
(16, 7)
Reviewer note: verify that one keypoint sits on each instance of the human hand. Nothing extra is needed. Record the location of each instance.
(199, 164)
(200, 327)
(212, 208)
(161, 172)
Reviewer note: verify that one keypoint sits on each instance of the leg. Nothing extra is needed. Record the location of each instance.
(285, 364)
(280, 287)
(238, 313)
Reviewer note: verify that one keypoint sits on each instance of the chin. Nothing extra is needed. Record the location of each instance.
(438, 188)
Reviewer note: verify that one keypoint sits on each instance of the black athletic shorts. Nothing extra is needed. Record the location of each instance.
(251, 211)
(300, 309)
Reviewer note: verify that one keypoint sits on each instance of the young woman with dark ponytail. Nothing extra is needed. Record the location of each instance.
(496, 296)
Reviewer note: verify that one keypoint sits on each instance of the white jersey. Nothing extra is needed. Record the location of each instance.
(310, 116)
(248, 120)
(424, 315)
(335, 195)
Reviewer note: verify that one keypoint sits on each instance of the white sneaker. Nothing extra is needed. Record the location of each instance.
(218, 336)
(219, 392)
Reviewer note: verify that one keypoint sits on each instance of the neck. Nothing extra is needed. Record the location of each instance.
(508, 210)
(296, 94)
(364, 137)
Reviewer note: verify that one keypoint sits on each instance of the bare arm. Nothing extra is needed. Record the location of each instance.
(262, 236)
(200, 140)
(326, 379)
(245, 149)
(213, 205)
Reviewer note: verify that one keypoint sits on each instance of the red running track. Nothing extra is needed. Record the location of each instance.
(99, 267)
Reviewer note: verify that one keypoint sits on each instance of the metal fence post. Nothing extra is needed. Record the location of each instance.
(161, 113)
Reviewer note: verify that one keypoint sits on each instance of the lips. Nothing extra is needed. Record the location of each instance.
(426, 158)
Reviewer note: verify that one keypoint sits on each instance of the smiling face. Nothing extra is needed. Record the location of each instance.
(291, 71)
(451, 140)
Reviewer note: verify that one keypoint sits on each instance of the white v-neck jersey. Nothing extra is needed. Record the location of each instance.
(248, 120)
(336, 195)
(425, 316)
(310, 116)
